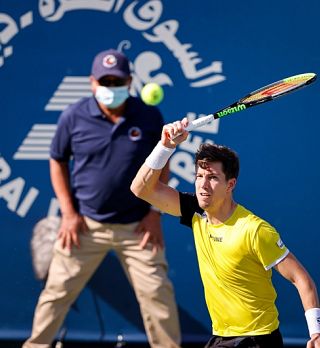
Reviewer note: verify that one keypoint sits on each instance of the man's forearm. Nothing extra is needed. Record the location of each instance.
(165, 174)
(59, 173)
(144, 182)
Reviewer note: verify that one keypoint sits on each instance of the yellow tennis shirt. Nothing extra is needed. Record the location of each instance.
(235, 260)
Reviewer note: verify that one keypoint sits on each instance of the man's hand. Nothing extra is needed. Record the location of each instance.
(150, 230)
(174, 133)
(71, 226)
(314, 342)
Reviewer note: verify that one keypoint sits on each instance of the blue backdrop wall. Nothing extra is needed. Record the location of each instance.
(205, 55)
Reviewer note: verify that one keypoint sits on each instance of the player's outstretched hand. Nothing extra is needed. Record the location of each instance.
(174, 133)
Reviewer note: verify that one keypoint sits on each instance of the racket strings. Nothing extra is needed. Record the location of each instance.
(279, 88)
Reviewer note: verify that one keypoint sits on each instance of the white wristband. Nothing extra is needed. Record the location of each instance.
(313, 320)
(159, 156)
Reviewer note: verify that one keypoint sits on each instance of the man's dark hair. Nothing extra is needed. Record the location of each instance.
(208, 153)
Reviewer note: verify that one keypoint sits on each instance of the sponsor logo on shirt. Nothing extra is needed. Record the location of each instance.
(280, 244)
(216, 239)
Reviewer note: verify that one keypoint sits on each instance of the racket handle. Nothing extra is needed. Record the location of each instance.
(199, 122)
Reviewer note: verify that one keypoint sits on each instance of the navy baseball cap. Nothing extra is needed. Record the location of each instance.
(110, 62)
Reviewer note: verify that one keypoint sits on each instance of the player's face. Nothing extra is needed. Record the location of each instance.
(212, 188)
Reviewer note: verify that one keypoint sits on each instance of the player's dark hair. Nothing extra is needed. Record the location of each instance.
(218, 153)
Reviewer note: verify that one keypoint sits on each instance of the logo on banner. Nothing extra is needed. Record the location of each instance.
(147, 66)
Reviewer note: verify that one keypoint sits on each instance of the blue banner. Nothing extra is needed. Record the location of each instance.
(205, 56)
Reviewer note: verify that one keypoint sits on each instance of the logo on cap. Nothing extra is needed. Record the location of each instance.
(109, 61)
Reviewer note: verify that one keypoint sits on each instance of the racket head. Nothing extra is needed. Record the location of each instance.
(278, 89)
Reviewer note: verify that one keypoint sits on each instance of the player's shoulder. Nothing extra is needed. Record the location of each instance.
(253, 221)
(189, 204)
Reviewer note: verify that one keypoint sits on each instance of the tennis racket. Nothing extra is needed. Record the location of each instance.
(260, 96)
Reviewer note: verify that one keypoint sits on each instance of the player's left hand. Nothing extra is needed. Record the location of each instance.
(314, 342)
(150, 230)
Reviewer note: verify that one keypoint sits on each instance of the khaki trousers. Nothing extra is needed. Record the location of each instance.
(70, 270)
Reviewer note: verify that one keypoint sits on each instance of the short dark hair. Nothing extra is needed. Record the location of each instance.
(218, 153)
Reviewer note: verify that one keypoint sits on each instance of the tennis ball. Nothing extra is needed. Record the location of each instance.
(152, 93)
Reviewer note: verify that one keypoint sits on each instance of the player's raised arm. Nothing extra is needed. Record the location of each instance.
(146, 185)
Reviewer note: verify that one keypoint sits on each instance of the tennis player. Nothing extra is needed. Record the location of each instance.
(236, 249)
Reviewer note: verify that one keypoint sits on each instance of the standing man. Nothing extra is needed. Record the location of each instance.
(236, 249)
(108, 136)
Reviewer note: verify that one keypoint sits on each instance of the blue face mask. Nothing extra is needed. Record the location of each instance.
(112, 97)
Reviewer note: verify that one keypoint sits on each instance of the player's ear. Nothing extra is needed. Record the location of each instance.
(231, 184)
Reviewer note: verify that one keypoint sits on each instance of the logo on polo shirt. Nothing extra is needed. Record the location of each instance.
(135, 133)
(216, 239)
(109, 61)
(280, 244)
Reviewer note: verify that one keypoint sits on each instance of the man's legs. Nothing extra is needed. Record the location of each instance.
(69, 271)
(147, 272)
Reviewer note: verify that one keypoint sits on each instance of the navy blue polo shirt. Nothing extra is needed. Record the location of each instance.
(106, 157)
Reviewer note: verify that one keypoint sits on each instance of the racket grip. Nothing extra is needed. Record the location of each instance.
(199, 122)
